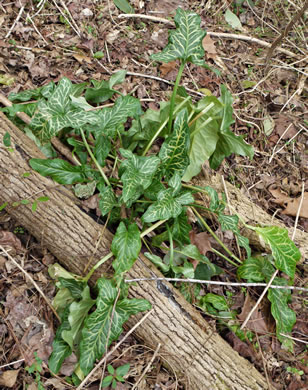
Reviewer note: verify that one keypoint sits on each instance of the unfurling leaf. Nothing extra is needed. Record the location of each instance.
(174, 151)
(185, 42)
(125, 246)
(104, 325)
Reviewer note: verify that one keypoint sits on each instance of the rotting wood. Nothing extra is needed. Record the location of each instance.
(188, 342)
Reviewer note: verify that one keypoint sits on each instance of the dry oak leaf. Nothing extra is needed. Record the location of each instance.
(293, 205)
(169, 69)
(256, 322)
(8, 378)
(209, 47)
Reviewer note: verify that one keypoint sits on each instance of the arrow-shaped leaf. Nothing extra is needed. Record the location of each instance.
(104, 325)
(285, 253)
(138, 174)
(107, 200)
(167, 206)
(60, 349)
(185, 42)
(284, 316)
(125, 246)
(112, 118)
(256, 269)
(59, 112)
(174, 151)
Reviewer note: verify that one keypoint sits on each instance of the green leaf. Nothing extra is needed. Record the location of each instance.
(98, 325)
(284, 251)
(138, 174)
(75, 287)
(228, 222)
(143, 129)
(107, 200)
(107, 381)
(180, 229)
(123, 370)
(7, 140)
(217, 301)
(256, 269)
(43, 199)
(185, 42)
(103, 90)
(227, 144)
(205, 136)
(80, 102)
(60, 349)
(59, 112)
(167, 206)
(124, 6)
(46, 148)
(117, 78)
(59, 170)
(233, 20)
(205, 271)
(77, 314)
(126, 246)
(285, 317)
(154, 188)
(174, 151)
(25, 96)
(158, 262)
(111, 119)
(244, 243)
(100, 93)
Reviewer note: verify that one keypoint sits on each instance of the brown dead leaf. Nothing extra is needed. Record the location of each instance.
(240, 346)
(280, 197)
(281, 125)
(293, 205)
(169, 70)
(256, 322)
(8, 378)
(209, 47)
(202, 241)
(81, 58)
(9, 240)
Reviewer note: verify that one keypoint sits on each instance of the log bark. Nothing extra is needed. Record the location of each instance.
(251, 213)
(188, 342)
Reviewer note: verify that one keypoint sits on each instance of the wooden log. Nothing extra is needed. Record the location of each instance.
(251, 213)
(186, 339)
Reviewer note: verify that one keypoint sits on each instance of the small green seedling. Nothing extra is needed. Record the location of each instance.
(116, 375)
(36, 369)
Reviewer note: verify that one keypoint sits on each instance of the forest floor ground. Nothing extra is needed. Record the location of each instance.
(46, 40)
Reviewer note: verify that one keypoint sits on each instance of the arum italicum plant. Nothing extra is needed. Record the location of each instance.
(149, 186)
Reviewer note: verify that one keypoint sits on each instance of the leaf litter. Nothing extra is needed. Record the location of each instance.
(68, 55)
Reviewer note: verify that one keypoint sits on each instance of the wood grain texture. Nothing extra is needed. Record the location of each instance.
(189, 345)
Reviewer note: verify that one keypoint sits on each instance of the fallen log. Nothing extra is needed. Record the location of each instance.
(188, 341)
